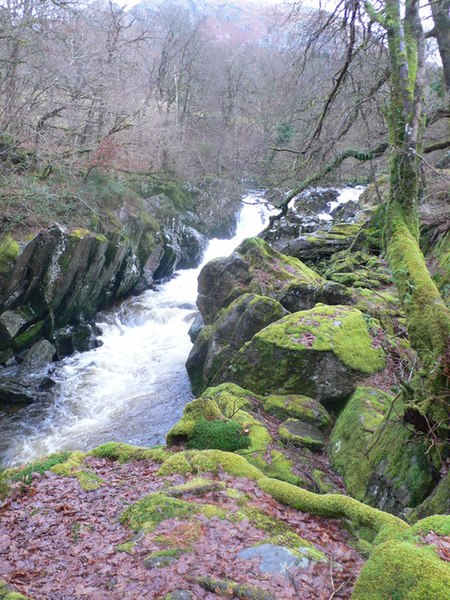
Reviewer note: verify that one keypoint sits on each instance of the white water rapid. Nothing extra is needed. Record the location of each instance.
(132, 388)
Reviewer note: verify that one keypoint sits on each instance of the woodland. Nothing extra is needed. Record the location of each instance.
(312, 458)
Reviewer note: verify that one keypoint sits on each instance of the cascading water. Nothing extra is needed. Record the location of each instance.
(132, 388)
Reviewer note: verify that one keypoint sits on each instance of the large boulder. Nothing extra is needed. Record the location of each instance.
(215, 346)
(381, 461)
(256, 268)
(321, 244)
(321, 353)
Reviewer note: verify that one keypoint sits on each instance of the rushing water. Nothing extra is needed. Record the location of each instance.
(133, 387)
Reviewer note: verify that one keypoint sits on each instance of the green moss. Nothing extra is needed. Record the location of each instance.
(351, 436)
(7, 593)
(438, 503)
(72, 468)
(333, 505)
(30, 336)
(219, 435)
(193, 412)
(230, 398)
(126, 547)
(440, 524)
(124, 453)
(297, 407)
(150, 511)
(428, 317)
(9, 251)
(40, 466)
(402, 570)
(204, 461)
(196, 486)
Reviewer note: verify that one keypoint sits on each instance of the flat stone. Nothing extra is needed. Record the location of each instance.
(300, 433)
(275, 559)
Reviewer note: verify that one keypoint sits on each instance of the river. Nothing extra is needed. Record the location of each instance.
(132, 388)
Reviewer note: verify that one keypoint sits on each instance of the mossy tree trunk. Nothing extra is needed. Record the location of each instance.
(427, 316)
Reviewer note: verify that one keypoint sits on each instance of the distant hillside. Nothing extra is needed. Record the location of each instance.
(240, 21)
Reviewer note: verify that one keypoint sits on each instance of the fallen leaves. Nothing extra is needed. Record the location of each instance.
(58, 542)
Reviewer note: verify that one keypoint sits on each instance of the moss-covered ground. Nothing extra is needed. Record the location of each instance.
(187, 515)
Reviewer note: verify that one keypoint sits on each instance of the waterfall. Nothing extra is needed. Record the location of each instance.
(132, 388)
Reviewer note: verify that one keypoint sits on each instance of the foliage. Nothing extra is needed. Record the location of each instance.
(218, 435)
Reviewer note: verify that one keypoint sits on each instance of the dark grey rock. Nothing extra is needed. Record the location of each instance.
(38, 356)
(196, 327)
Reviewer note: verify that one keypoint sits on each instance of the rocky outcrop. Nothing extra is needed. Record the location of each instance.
(381, 462)
(52, 286)
(257, 268)
(320, 352)
(217, 343)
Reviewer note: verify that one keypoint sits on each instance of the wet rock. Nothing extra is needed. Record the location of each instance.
(62, 278)
(276, 559)
(196, 327)
(74, 338)
(38, 356)
(193, 245)
(212, 351)
(298, 433)
(10, 323)
(13, 391)
(346, 213)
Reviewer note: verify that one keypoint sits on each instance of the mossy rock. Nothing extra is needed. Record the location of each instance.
(403, 570)
(219, 420)
(297, 407)
(358, 269)
(437, 503)
(320, 353)
(237, 324)
(9, 251)
(297, 433)
(315, 247)
(254, 267)
(148, 512)
(352, 434)
(382, 462)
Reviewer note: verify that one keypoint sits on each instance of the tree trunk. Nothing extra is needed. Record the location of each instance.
(428, 319)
